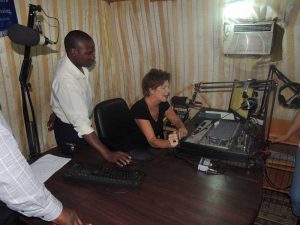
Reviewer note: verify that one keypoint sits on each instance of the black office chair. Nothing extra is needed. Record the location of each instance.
(114, 123)
(115, 128)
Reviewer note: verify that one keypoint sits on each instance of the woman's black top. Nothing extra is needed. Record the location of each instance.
(140, 110)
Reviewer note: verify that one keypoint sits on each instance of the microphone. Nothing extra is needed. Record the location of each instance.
(22, 35)
(246, 86)
(245, 89)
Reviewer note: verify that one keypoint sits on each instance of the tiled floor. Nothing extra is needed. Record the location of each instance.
(275, 210)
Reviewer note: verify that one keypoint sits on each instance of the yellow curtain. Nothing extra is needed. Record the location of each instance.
(183, 37)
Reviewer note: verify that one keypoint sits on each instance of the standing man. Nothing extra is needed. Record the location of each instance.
(21, 191)
(71, 97)
(295, 187)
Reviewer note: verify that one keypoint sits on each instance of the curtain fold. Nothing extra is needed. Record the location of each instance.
(183, 37)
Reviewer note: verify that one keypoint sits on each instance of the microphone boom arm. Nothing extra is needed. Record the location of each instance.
(267, 87)
(29, 117)
(293, 101)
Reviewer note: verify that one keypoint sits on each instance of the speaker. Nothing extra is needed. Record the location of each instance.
(294, 101)
(249, 104)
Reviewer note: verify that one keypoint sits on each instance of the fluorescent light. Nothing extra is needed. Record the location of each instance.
(238, 10)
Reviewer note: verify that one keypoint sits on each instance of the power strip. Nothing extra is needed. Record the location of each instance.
(204, 164)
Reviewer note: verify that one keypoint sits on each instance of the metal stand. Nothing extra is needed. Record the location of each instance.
(293, 101)
(29, 117)
(267, 87)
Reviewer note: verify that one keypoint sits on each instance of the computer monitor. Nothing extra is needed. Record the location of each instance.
(236, 101)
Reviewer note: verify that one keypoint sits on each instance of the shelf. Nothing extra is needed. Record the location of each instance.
(280, 180)
(280, 167)
(280, 164)
(267, 186)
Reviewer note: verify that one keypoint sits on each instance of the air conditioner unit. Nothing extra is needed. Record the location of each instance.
(248, 39)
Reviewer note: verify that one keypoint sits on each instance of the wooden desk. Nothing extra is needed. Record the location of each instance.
(171, 193)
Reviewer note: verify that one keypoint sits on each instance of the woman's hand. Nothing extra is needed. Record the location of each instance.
(182, 132)
(173, 139)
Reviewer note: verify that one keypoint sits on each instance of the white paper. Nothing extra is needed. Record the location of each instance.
(47, 165)
(224, 115)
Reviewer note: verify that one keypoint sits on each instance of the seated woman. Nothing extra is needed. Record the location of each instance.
(150, 111)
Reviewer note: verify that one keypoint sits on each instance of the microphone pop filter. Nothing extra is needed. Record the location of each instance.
(22, 35)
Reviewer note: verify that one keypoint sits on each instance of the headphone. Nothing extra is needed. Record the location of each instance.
(294, 101)
(249, 104)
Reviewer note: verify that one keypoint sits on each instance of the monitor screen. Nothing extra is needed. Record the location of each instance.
(236, 100)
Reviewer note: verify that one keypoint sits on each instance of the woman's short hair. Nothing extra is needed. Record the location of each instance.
(153, 79)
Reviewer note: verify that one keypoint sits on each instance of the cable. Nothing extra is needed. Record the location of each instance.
(277, 168)
(268, 179)
(50, 17)
(210, 171)
(182, 156)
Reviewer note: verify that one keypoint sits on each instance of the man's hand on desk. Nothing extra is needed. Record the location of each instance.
(120, 158)
(68, 217)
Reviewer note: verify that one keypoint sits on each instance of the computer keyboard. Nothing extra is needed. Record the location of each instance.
(100, 174)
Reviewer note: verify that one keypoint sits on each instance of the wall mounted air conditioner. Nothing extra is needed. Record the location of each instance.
(248, 39)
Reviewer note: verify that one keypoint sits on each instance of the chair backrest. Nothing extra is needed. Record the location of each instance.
(113, 122)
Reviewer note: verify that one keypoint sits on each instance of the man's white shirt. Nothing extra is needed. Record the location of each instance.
(20, 189)
(71, 96)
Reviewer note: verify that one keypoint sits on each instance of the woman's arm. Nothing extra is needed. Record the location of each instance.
(293, 128)
(171, 115)
(155, 142)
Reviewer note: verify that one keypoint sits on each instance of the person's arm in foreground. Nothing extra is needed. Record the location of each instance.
(293, 128)
(21, 191)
